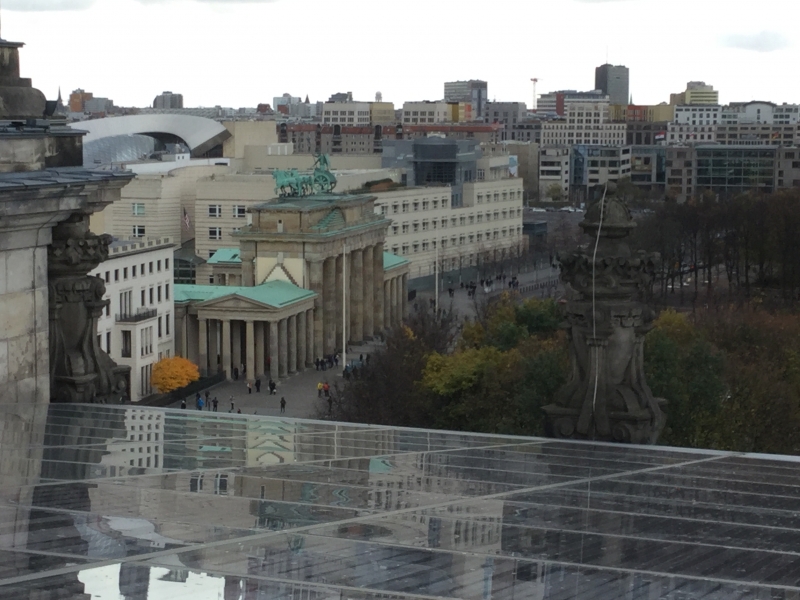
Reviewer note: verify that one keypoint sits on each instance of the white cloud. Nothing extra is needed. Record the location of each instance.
(46, 5)
(764, 41)
(60, 5)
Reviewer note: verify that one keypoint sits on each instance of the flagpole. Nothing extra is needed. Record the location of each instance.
(436, 272)
(344, 305)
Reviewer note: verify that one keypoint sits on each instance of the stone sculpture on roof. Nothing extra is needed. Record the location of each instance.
(607, 396)
(291, 184)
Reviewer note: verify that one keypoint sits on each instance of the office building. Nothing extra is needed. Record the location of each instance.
(508, 114)
(136, 327)
(612, 80)
(585, 122)
(349, 113)
(554, 170)
(168, 100)
(697, 92)
(474, 92)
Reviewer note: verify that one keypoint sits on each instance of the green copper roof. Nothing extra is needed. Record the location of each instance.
(225, 255)
(390, 261)
(272, 293)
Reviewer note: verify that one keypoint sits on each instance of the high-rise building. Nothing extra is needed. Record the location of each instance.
(168, 100)
(474, 91)
(613, 81)
(77, 100)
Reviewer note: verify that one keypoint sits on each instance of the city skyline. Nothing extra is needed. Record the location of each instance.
(187, 46)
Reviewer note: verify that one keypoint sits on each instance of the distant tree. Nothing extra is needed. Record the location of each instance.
(173, 373)
(555, 192)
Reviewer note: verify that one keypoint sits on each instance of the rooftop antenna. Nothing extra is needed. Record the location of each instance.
(534, 80)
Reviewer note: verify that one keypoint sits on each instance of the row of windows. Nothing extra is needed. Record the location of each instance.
(152, 266)
(215, 211)
(426, 246)
(215, 233)
(462, 221)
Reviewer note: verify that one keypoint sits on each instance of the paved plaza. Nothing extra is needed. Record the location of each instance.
(300, 389)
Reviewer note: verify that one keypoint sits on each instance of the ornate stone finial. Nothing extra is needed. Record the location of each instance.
(18, 99)
(607, 397)
(79, 370)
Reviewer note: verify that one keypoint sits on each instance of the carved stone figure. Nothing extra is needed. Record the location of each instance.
(607, 397)
(79, 370)
(292, 184)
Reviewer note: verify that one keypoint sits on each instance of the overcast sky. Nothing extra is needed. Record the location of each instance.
(240, 53)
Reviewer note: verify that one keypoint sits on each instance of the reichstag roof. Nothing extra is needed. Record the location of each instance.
(129, 502)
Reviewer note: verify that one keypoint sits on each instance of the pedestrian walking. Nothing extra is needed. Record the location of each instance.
(319, 390)
(235, 373)
(330, 405)
(200, 402)
(326, 389)
(249, 388)
(316, 363)
(215, 403)
(283, 404)
(232, 405)
(272, 387)
(258, 384)
(183, 404)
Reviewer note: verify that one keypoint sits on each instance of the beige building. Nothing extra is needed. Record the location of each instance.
(246, 134)
(305, 264)
(697, 92)
(347, 113)
(426, 112)
(221, 206)
(553, 171)
(586, 122)
(382, 113)
(425, 224)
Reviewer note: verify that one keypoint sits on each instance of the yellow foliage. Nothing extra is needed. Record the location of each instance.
(464, 369)
(676, 327)
(173, 373)
(409, 333)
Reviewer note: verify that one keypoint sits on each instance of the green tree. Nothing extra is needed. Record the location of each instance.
(555, 192)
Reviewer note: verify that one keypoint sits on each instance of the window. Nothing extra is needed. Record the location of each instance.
(108, 342)
(137, 209)
(158, 266)
(166, 264)
(151, 296)
(137, 231)
(160, 329)
(166, 323)
(150, 267)
(116, 274)
(159, 293)
(166, 292)
(126, 343)
(143, 298)
(239, 211)
(133, 271)
(215, 233)
(212, 252)
(215, 211)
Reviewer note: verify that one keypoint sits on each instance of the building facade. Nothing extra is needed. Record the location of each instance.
(585, 123)
(554, 170)
(353, 114)
(168, 100)
(137, 328)
(613, 81)
(697, 92)
(474, 92)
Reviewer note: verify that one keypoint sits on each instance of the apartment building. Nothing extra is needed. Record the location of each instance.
(697, 92)
(427, 112)
(425, 223)
(585, 123)
(347, 113)
(597, 165)
(137, 327)
(475, 92)
(554, 168)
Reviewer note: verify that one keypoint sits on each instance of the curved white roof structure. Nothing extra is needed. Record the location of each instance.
(200, 134)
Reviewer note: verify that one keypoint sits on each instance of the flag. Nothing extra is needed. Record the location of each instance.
(186, 219)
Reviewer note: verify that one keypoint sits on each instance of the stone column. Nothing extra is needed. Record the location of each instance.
(309, 337)
(203, 343)
(301, 341)
(340, 260)
(387, 304)
(226, 348)
(193, 339)
(395, 311)
(282, 349)
(356, 297)
(329, 300)
(369, 294)
(274, 359)
(213, 346)
(236, 338)
(316, 270)
(377, 276)
(404, 295)
(247, 254)
(291, 339)
(259, 349)
(250, 343)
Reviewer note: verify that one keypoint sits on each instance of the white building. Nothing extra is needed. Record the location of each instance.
(586, 122)
(694, 124)
(346, 113)
(756, 112)
(487, 227)
(553, 169)
(418, 113)
(137, 327)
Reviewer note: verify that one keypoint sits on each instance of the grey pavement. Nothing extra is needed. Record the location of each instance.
(300, 391)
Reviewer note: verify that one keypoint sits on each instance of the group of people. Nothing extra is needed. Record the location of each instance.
(272, 387)
(212, 404)
(327, 362)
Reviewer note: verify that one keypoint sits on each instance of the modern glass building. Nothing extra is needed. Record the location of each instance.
(100, 501)
(731, 170)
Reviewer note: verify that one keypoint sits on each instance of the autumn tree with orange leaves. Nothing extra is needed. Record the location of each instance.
(173, 373)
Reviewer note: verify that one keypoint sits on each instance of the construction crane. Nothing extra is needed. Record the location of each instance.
(534, 80)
